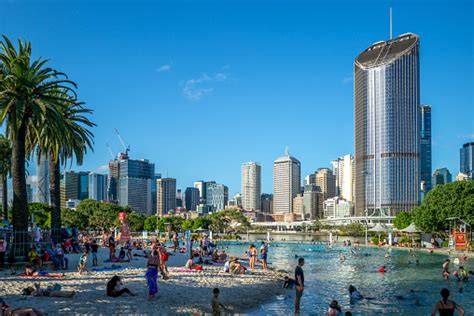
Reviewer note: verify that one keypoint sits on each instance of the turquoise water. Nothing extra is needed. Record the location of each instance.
(326, 278)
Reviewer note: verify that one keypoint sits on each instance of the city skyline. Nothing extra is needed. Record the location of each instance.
(192, 94)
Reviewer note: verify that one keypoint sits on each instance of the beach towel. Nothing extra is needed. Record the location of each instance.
(117, 260)
(185, 270)
(41, 275)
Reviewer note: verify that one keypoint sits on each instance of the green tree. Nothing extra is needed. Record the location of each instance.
(201, 222)
(454, 199)
(229, 219)
(5, 165)
(41, 213)
(353, 229)
(403, 220)
(136, 221)
(187, 224)
(151, 223)
(26, 97)
(171, 223)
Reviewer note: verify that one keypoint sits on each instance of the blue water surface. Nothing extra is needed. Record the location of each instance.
(327, 278)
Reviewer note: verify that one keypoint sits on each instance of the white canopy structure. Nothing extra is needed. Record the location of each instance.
(411, 229)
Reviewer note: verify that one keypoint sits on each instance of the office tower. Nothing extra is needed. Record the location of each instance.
(201, 186)
(29, 193)
(337, 208)
(216, 196)
(251, 181)
(191, 197)
(42, 180)
(326, 181)
(425, 148)
(441, 176)
(266, 203)
(179, 198)
(387, 132)
(154, 191)
(298, 206)
(313, 202)
(310, 179)
(74, 186)
(467, 159)
(236, 201)
(134, 184)
(98, 186)
(113, 180)
(286, 183)
(166, 196)
(343, 170)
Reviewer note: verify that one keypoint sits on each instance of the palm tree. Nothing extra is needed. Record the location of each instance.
(26, 97)
(5, 164)
(62, 142)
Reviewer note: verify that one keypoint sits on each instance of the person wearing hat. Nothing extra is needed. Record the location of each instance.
(334, 309)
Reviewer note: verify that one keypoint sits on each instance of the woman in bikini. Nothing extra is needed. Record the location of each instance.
(153, 265)
(446, 307)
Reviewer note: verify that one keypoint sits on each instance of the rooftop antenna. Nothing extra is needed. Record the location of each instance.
(390, 22)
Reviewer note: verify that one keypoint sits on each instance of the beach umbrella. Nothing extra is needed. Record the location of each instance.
(378, 228)
(411, 229)
(200, 229)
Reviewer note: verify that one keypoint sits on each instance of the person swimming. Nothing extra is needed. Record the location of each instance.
(354, 294)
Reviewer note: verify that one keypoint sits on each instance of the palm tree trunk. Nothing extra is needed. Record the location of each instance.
(55, 197)
(4, 197)
(20, 212)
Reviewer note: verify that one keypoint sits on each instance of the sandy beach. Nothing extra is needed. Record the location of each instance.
(183, 292)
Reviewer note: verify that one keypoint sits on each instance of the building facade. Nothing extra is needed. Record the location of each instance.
(441, 176)
(298, 206)
(154, 191)
(74, 186)
(286, 183)
(97, 186)
(191, 198)
(201, 186)
(166, 196)
(313, 202)
(267, 203)
(343, 170)
(326, 181)
(217, 196)
(42, 180)
(467, 160)
(387, 131)
(251, 185)
(337, 208)
(425, 148)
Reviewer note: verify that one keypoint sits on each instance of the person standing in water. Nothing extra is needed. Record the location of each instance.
(299, 278)
(446, 269)
(446, 307)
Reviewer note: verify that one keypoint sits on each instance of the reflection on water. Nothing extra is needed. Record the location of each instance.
(327, 278)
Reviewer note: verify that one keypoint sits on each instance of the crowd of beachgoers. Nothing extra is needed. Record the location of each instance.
(95, 273)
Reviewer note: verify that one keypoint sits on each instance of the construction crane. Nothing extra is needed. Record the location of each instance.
(111, 151)
(125, 147)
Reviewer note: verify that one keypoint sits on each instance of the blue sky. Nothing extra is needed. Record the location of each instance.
(199, 87)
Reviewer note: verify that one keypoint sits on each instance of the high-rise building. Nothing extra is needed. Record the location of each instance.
(310, 179)
(387, 131)
(343, 170)
(441, 176)
(179, 198)
(337, 208)
(286, 183)
(298, 206)
(74, 186)
(216, 196)
(425, 148)
(134, 184)
(467, 159)
(191, 197)
(154, 191)
(326, 181)
(266, 203)
(251, 182)
(313, 202)
(42, 180)
(98, 187)
(113, 180)
(166, 196)
(201, 186)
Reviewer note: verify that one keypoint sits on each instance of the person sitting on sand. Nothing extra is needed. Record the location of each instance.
(22, 311)
(334, 309)
(216, 304)
(115, 287)
(38, 291)
(288, 283)
(446, 306)
(122, 254)
(236, 268)
(223, 256)
(35, 258)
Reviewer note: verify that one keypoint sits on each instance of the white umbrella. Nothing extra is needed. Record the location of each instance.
(200, 229)
(411, 229)
(379, 229)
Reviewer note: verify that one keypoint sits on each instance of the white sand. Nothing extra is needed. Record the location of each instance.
(183, 292)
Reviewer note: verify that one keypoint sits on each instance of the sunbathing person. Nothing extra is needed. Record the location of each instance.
(31, 272)
(22, 311)
(38, 291)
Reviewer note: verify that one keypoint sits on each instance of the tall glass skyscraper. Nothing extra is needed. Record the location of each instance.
(425, 147)
(467, 159)
(387, 131)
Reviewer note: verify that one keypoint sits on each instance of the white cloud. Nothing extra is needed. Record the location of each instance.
(103, 168)
(196, 89)
(164, 68)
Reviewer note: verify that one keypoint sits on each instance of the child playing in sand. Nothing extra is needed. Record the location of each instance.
(82, 262)
(216, 304)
